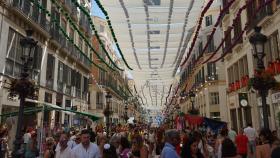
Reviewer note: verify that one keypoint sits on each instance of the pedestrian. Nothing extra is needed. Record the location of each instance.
(49, 152)
(275, 153)
(109, 151)
(190, 149)
(115, 141)
(138, 149)
(219, 141)
(86, 149)
(101, 141)
(264, 149)
(124, 148)
(3, 141)
(232, 134)
(241, 142)
(172, 139)
(229, 149)
(251, 133)
(64, 151)
(31, 148)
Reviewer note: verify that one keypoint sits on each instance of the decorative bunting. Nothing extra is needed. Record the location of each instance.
(112, 31)
(83, 37)
(197, 30)
(53, 19)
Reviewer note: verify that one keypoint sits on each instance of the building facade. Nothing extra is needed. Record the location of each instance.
(240, 63)
(206, 80)
(62, 61)
(107, 81)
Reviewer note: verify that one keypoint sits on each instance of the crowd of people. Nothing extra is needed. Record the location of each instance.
(138, 141)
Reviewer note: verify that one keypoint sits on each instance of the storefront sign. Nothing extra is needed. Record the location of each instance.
(275, 97)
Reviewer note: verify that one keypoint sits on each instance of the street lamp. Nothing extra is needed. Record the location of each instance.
(125, 112)
(107, 112)
(23, 87)
(192, 97)
(258, 41)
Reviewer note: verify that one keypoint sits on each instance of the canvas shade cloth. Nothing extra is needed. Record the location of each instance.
(48, 107)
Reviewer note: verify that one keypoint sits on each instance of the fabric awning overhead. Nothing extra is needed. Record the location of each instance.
(48, 107)
(153, 35)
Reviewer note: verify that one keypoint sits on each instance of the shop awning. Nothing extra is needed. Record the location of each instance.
(49, 107)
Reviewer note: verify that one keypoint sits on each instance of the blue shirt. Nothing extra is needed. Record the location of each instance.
(169, 151)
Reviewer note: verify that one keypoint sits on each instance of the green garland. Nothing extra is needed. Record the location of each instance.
(109, 24)
(81, 34)
(53, 19)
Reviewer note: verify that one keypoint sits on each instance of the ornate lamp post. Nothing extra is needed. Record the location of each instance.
(107, 113)
(125, 112)
(258, 41)
(23, 87)
(193, 111)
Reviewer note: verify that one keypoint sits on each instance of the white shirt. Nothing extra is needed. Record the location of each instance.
(91, 152)
(66, 153)
(250, 133)
(26, 137)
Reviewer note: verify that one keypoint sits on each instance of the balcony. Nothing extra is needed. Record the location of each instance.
(32, 11)
(68, 89)
(78, 93)
(264, 12)
(212, 78)
(60, 87)
(74, 13)
(49, 83)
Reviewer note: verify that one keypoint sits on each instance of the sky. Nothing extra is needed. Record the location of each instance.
(95, 10)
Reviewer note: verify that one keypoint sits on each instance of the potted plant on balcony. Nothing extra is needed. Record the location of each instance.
(263, 80)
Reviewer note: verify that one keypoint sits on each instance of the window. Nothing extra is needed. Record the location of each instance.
(99, 100)
(14, 52)
(211, 46)
(236, 71)
(102, 77)
(66, 75)
(208, 20)
(200, 48)
(64, 24)
(214, 98)
(50, 71)
(215, 115)
(152, 2)
(81, 43)
(85, 84)
(211, 69)
(60, 72)
(237, 29)
(227, 40)
(48, 97)
(272, 48)
(71, 33)
(73, 77)
(101, 28)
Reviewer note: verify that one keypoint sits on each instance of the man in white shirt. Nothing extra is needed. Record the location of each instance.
(64, 151)
(86, 149)
(251, 134)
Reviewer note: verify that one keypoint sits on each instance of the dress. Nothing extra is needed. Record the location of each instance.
(30, 153)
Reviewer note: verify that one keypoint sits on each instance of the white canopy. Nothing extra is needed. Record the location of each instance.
(153, 35)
